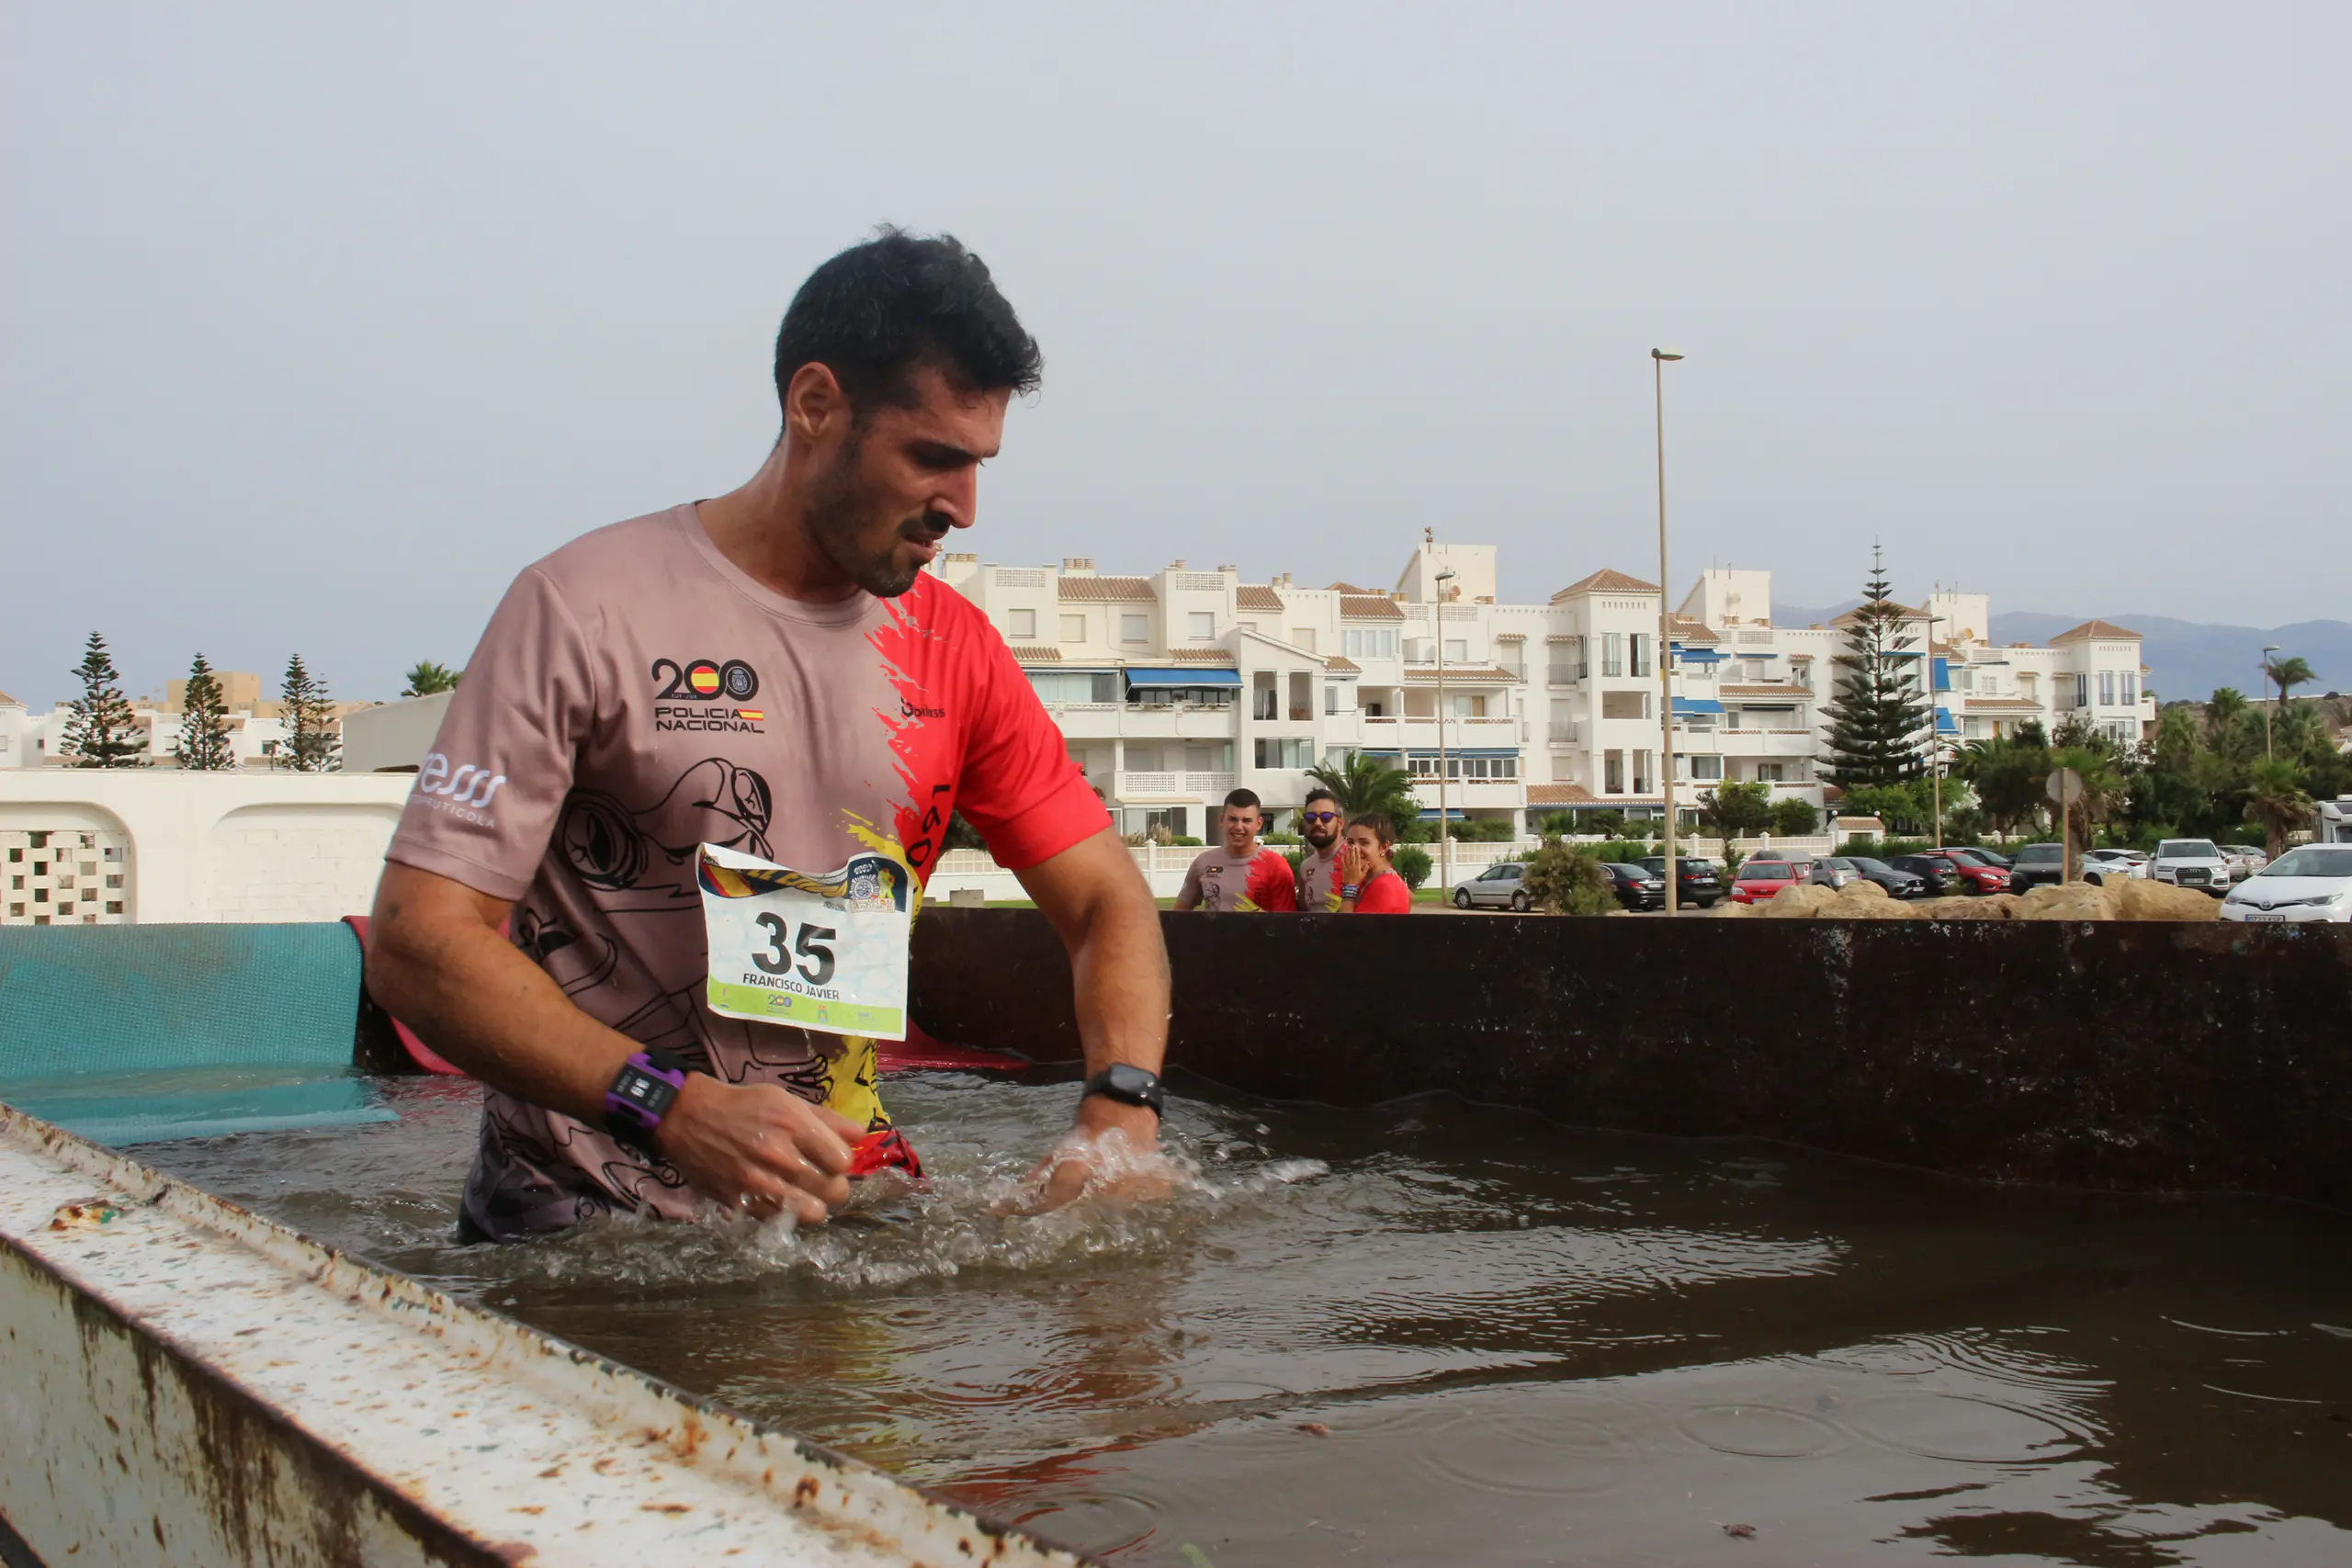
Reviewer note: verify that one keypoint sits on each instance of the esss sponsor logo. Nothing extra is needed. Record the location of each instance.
(705, 694)
(464, 791)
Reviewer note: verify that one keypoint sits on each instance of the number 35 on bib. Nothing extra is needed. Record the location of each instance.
(821, 951)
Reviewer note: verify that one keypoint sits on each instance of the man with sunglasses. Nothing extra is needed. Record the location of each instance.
(1319, 868)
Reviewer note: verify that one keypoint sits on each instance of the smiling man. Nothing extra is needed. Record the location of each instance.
(761, 700)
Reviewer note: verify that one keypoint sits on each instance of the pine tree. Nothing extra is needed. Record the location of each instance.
(204, 746)
(1878, 719)
(102, 733)
(311, 746)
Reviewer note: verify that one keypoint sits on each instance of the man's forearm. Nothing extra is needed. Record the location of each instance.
(440, 966)
(1119, 972)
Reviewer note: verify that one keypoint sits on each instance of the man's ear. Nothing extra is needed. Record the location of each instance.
(815, 406)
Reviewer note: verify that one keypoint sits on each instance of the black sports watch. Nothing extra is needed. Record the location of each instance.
(1129, 1086)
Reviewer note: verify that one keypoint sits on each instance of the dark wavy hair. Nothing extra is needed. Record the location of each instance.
(878, 312)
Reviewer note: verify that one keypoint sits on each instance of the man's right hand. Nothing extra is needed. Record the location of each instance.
(757, 1149)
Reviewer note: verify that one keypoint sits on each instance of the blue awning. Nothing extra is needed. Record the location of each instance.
(1698, 654)
(1944, 726)
(1697, 704)
(1429, 752)
(1211, 676)
(1454, 814)
(1943, 674)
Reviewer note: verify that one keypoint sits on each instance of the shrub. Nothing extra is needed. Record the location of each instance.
(1796, 819)
(1412, 863)
(1186, 842)
(1563, 880)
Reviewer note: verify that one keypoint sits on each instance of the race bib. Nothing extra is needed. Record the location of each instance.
(826, 952)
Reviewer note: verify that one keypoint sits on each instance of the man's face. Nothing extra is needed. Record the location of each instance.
(1240, 825)
(1319, 824)
(893, 485)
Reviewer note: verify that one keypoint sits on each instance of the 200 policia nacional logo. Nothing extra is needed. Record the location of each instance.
(704, 694)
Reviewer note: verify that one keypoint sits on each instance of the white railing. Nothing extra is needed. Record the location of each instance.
(1150, 784)
(1561, 734)
(1208, 784)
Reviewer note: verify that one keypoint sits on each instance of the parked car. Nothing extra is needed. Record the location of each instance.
(1833, 871)
(2037, 865)
(1954, 873)
(1898, 884)
(2310, 882)
(1760, 879)
(2103, 867)
(1978, 853)
(1501, 887)
(1636, 888)
(2244, 860)
(1699, 882)
(2191, 862)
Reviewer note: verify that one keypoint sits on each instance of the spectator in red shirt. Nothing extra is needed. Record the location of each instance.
(1240, 873)
(1368, 883)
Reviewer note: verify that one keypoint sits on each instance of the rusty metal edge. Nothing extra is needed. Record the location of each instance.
(695, 1428)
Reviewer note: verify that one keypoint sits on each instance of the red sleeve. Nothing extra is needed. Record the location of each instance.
(1271, 885)
(1019, 787)
(1385, 896)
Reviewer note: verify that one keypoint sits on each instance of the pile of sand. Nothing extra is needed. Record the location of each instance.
(2132, 900)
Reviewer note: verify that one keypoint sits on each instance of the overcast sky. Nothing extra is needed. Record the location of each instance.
(320, 322)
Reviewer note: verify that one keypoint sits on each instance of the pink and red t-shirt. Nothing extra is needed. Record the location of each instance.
(1384, 895)
(1224, 882)
(637, 695)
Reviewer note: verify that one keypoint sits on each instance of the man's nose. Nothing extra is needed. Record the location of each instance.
(958, 498)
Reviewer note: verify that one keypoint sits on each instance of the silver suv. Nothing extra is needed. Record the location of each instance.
(2191, 862)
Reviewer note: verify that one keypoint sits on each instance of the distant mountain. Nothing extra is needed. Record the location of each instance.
(2187, 659)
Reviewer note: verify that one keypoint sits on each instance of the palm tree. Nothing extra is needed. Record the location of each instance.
(1364, 784)
(2277, 802)
(428, 678)
(2008, 776)
(2103, 789)
(2288, 674)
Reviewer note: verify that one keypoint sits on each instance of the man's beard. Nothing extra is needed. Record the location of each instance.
(1325, 842)
(839, 515)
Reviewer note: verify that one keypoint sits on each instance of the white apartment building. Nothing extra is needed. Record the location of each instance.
(1176, 687)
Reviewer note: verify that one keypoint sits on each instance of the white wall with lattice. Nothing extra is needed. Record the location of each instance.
(65, 877)
(160, 845)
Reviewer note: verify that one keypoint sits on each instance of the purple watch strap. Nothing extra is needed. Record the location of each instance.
(641, 1114)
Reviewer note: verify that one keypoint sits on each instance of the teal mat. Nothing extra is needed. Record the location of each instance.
(135, 1033)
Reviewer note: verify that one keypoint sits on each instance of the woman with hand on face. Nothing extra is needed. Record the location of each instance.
(1368, 883)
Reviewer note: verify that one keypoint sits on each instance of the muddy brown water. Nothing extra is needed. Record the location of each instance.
(1434, 1332)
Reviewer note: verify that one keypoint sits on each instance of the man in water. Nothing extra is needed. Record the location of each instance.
(1319, 823)
(1240, 873)
(772, 673)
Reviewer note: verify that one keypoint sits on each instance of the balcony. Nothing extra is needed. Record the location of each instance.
(1769, 742)
(1155, 786)
(1565, 674)
(1563, 734)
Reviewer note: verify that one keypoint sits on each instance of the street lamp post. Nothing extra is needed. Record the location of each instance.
(1658, 356)
(1444, 828)
(1935, 731)
(2268, 670)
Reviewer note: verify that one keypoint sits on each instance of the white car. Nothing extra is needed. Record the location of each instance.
(2191, 862)
(2312, 883)
(2244, 860)
(1497, 888)
(2101, 867)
